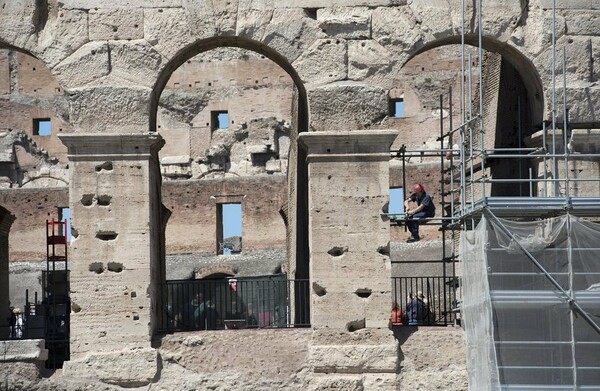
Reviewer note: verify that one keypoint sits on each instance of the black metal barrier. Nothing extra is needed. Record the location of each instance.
(424, 301)
(246, 302)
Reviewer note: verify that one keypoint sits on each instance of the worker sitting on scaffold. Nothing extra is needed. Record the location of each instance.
(424, 209)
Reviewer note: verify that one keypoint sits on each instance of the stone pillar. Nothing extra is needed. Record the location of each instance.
(350, 271)
(6, 220)
(114, 197)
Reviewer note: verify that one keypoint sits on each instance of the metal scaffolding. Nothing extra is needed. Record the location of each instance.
(506, 271)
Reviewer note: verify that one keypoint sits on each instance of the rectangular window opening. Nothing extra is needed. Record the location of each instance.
(64, 214)
(42, 127)
(396, 207)
(397, 108)
(219, 120)
(229, 228)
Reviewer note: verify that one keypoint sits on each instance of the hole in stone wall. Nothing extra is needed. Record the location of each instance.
(337, 251)
(319, 290)
(133, 294)
(355, 325)
(74, 232)
(136, 316)
(75, 307)
(107, 166)
(96, 267)
(104, 200)
(106, 235)
(87, 199)
(384, 250)
(116, 267)
(363, 292)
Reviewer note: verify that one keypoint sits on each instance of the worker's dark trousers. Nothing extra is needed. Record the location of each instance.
(413, 223)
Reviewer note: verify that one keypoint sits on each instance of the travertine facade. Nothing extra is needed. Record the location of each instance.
(343, 56)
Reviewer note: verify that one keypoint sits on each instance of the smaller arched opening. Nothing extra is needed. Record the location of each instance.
(230, 111)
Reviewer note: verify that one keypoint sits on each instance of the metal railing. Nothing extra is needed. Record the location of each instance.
(249, 302)
(436, 296)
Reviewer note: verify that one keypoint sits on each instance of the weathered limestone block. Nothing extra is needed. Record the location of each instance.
(90, 4)
(291, 32)
(579, 60)
(93, 57)
(433, 17)
(135, 61)
(116, 24)
(595, 58)
(397, 29)
(583, 22)
(126, 368)
(367, 59)
(26, 350)
(173, 20)
(200, 18)
(354, 358)
(334, 3)
(582, 102)
(535, 36)
(114, 109)
(381, 381)
(64, 32)
(347, 23)
(252, 23)
(20, 376)
(220, 15)
(18, 22)
(337, 382)
(324, 62)
(347, 105)
(423, 367)
(570, 4)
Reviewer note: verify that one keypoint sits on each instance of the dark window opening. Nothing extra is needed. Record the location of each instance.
(42, 127)
(229, 228)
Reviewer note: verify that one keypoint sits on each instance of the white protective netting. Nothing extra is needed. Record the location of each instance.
(521, 331)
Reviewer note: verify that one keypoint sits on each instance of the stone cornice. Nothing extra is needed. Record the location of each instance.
(98, 146)
(581, 140)
(349, 143)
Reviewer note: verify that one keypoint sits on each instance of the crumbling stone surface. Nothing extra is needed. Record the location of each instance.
(432, 358)
(19, 376)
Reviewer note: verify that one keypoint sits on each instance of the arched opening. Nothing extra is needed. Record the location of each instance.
(230, 111)
(513, 111)
(34, 186)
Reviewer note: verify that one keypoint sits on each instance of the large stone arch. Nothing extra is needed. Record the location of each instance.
(297, 228)
(527, 70)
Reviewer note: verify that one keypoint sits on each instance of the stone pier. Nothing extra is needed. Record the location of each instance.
(114, 260)
(352, 346)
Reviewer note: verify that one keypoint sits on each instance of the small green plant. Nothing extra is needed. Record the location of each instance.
(428, 80)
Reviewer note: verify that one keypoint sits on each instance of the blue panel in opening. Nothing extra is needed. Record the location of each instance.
(396, 202)
(223, 120)
(399, 108)
(65, 214)
(44, 127)
(232, 225)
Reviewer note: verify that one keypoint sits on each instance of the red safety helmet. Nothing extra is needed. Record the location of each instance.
(418, 188)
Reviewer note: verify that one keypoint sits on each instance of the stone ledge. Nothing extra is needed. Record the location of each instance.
(354, 358)
(28, 350)
(128, 368)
